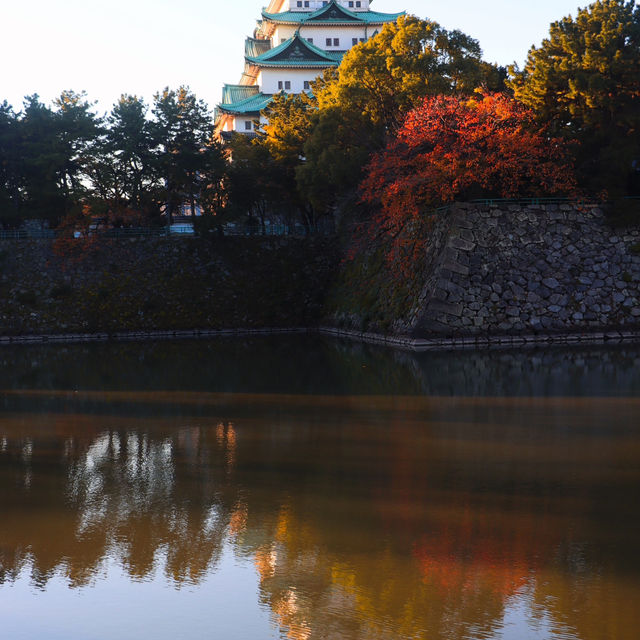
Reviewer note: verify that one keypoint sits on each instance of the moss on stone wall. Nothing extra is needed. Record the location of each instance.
(368, 296)
(160, 283)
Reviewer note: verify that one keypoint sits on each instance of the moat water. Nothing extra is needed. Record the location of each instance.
(305, 488)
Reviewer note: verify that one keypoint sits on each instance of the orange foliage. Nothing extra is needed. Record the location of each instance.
(80, 233)
(75, 242)
(459, 148)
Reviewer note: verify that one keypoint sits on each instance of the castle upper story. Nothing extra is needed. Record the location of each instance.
(313, 5)
(293, 42)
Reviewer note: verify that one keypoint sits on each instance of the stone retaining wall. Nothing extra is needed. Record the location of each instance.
(488, 271)
(163, 285)
(512, 269)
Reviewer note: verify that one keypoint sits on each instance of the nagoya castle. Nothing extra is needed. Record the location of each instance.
(294, 41)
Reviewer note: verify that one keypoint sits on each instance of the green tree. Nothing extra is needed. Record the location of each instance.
(385, 77)
(248, 181)
(124, 182)
(10, 174)
(187, 157)
(77, 130)
(365, 100)
(130, 144)
(585, 81)
(213, 178)
(42, 164)
(336, 150)
(291, 120)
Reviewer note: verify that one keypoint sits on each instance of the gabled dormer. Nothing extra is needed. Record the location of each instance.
(295, 52)
(333, 13)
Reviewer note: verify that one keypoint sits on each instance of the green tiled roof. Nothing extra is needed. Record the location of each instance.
(297, 52)
(252, 104)
(232, 93)
(333, 14)
(254, 47)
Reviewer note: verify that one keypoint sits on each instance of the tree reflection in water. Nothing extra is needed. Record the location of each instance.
(364, 517)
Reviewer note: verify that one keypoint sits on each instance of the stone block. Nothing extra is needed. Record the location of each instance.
(462, 244)
(452, 309)
(450, 253)
(461, 222)
(454, 267)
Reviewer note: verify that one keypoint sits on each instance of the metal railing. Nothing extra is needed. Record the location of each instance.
(279, 230)
(26, 234)
(543, 200)
(52, 234)
(524, 202)
(269, 230)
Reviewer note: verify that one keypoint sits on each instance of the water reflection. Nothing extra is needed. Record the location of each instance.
(364, 517)
(313, 365)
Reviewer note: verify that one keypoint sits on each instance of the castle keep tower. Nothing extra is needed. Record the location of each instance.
(294, 41)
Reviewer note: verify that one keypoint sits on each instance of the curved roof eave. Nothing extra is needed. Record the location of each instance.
(307, 18)
(295, 52)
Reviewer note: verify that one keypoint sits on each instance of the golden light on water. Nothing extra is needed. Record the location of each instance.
(368, 516)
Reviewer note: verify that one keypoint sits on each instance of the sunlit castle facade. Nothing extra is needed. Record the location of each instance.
(293, 43)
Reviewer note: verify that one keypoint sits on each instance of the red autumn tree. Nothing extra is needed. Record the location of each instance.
(459, 148)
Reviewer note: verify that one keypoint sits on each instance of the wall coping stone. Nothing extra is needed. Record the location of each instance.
(438, 343)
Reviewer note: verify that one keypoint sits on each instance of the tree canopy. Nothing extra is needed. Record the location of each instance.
(459, 148)
(384, 77)
(584, 80)
(187, 155)
(323, 141)
(66, 162)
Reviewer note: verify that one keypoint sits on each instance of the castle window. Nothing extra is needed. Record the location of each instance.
(336, 42)
(307, 85)
(354, 41)
(328, 42)
(310, 40)
(247, 125)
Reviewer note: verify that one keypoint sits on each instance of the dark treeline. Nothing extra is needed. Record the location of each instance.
(64, 162)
